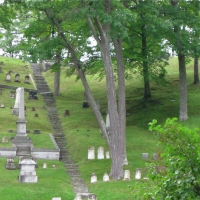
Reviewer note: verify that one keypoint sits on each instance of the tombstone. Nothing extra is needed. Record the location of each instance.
(93, 178)
(10, 163)
(53, 167)
(33, 109)
(127, 175)
(91, 154)
(17, 78)
(155, 156)
(4, 140)
(2, 106)
(16, 106)
(56, 198)
(106, 177)
(44, 165)
(27, 79)
(100, 154)
(107, 154)
(8, 77)
(36, 131)
(138, 174)
(145, 155)
(92, 197)
(85, 105)
(21, 122)
(66, 113)
(85, 102)
(107, 121)
(36, 115)
(32, 95)
(12, 94)
(28, 173)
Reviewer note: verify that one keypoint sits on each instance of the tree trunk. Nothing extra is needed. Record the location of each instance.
(147, 91)
(196, 70)
(121, 95)
(183, 116)
(57, 78)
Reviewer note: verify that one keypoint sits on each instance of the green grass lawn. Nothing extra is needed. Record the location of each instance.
(82, 131)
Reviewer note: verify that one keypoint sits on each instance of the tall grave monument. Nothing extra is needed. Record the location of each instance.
(21, 122)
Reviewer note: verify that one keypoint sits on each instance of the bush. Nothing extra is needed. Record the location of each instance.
(177, 172)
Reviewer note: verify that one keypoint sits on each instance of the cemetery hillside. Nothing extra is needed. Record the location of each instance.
(99, 99)
(83, 165)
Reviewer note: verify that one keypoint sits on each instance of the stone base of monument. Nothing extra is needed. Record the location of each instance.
(27, 173)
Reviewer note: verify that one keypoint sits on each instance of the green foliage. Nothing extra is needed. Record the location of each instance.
(177, 173)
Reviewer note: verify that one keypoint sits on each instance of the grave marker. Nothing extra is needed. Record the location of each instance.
(100, 153)
(138, 174)
(127, 175)
(10, 164)
(93, 178)
(8, 77)
(91, 154)
(17, 78)
(106, 177)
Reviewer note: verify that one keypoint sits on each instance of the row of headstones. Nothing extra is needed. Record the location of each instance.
(127, 177)
(17, 78)
(146, 156)
(10, 164)
(100, 153)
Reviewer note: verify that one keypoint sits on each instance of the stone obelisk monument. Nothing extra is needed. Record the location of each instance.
(21, 122)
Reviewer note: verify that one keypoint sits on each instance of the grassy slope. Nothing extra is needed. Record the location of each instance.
(82, 130)
(51, 182)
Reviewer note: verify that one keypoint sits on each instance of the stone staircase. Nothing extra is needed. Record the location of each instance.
(23, 145)
(71, 168)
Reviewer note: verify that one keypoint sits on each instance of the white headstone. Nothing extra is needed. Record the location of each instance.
(91, 154)
(93, 178)
(28, 173)
(8, 77)
(106, 177)
(56, 198)
(127, 175)
(138, 174)
(100, 153)
(107, 120)
(21, 103)
(44, 165)
(107, 154)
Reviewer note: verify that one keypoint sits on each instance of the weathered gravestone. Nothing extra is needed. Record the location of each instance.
(12, 94)
(93, 178)
(10, 164)
(91, 154)
(107, 154)
(28, 173)
(127, 175)
(106, 177)
(100, 153)
(4, 140)
(138, 174)
(27, 79)
(145, 155)
(8, 77)
(17, 78)
(32, 95)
